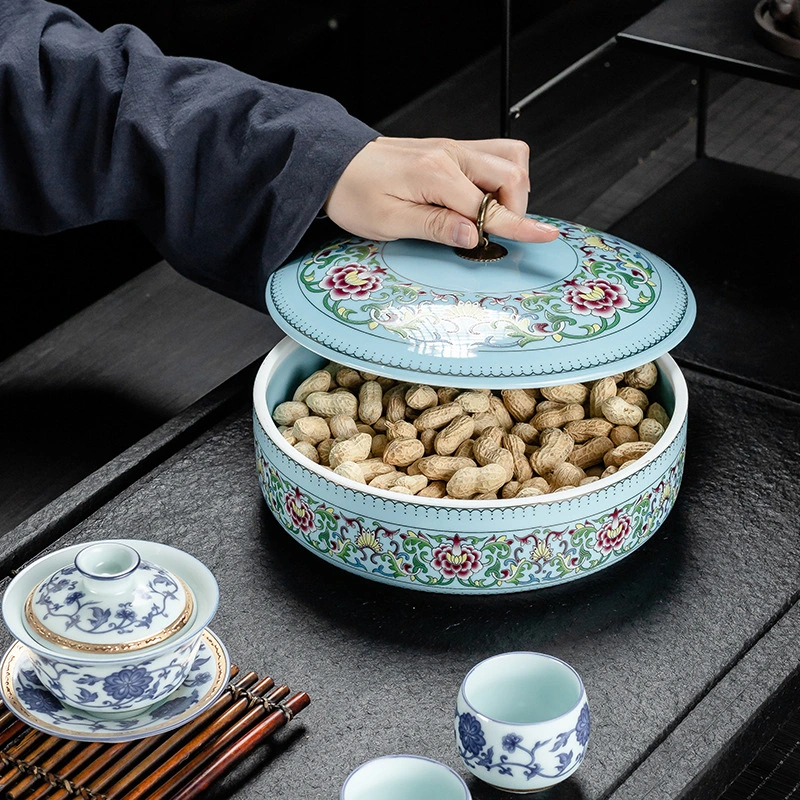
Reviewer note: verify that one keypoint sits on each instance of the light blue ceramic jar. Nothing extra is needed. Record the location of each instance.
(522, 721)
(585, 306)
(462, 546)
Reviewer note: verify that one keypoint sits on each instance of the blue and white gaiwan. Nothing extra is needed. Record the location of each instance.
(580, 308)
(112, 627)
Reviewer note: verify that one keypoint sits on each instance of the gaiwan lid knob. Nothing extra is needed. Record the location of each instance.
(108, 601)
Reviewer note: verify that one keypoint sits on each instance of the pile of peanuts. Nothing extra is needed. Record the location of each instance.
(471, 444)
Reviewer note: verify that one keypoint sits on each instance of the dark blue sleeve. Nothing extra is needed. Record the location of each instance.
(223, 172)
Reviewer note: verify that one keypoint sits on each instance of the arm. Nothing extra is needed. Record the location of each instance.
(223, 172)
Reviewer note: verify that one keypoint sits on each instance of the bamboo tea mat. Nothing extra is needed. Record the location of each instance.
(176, 765)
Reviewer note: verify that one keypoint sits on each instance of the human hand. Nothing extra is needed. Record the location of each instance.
(432, 189)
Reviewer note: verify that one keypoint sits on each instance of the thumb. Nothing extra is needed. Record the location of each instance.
(501, 221)
(435, 224)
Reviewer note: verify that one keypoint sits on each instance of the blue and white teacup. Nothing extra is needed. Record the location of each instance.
(404, 777)
(522, 721)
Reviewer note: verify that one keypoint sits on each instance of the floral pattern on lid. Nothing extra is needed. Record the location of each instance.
(578, 308)
(138, 606)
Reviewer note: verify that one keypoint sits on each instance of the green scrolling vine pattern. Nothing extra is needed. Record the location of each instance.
(355, 285)
(463, 561)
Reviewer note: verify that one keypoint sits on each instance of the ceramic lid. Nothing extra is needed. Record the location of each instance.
(578, 308)
(108, 601)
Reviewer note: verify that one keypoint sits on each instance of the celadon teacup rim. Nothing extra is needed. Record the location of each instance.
(498, 656)
(398, 756)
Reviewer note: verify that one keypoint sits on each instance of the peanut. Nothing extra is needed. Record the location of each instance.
(348, 378)
(410, 484)
(556, 447)
(421, 397)
(484, 420)
(473, 402)
(526, 432)
(386, 480)
(402, 452)
(591, 453)
(351, 470)
(618, 412)
(447, 394)
(438, 416)
(342, 426)
(357, 448)
(395, 404)
(643, 377)
(623, 433)
(289, 412)
(400, 430)
(656, 411)
(370, 406)
(629, 451)
(474, 480)
(519, 404)
(465, 449)
(372, 467)
(650, 430)
(436, 489)
(636, 397)
(308, 450)
(566, 474)
(529, 491)
(557, 417)
(324, 451)
(329, 404)
(319, 381)
(487, 451)
(567, 394)
(453, 434)
(428, 439)
(472, 444)
(602, 390)
(498, 408)
(581, 430)
(311, 429)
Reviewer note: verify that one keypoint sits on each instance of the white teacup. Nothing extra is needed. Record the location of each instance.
(404, 777)
(522, 721)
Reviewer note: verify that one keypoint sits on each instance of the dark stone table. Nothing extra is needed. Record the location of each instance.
(683, 646)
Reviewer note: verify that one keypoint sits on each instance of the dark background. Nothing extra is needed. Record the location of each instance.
(374, 57)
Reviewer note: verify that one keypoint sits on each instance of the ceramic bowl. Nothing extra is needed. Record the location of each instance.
(118, 683)
(404, 778)
(462, 546)
(522, 721)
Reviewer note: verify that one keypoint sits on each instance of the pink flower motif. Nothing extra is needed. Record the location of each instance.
(598, 297)
(614, 532)
(456, 560)
(299, 511)
(352, 281)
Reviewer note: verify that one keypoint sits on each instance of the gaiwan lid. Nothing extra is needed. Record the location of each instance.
(108, 601)
(581, 307)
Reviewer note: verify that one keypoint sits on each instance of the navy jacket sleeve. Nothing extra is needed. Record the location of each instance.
(223, 172)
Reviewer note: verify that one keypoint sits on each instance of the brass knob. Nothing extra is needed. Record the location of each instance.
(486, 250)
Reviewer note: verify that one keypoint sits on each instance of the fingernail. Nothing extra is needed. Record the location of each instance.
(463, 236)
(543, 226)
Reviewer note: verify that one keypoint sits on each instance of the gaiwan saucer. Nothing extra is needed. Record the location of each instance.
(25, 697)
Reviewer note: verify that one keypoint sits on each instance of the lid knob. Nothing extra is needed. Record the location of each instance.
(107, 568)
(486, 250)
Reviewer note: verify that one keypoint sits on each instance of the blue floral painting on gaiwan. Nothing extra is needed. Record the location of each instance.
(124, 684)
(60, 601)
(518, 756)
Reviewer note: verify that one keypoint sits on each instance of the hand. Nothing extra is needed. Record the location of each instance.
(432, 189)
